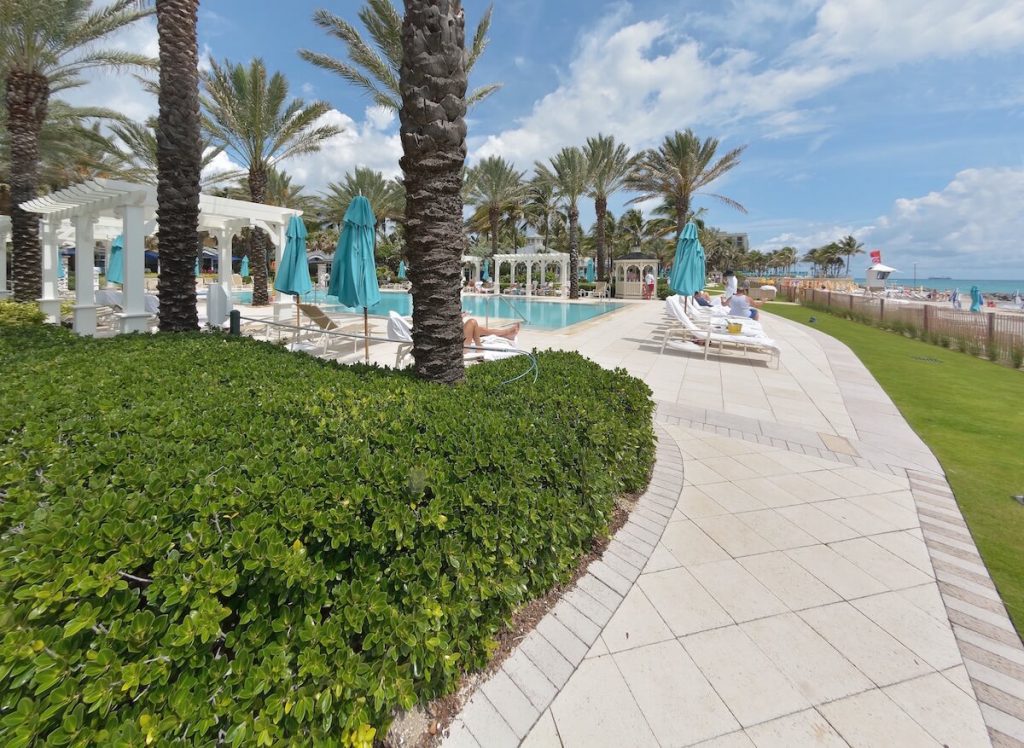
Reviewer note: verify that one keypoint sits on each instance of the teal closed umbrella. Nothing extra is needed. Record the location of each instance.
(244, 269)
(198, 269)
(401, 270)
(115, 267)
(60, 265)
(293, 273)
(354, 272)
(977, 300)
(590, 270)
(688, 267)
(486, 276)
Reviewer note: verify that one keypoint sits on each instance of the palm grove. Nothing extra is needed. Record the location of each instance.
(247, 111)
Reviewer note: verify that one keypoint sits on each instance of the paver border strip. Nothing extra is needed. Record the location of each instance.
(526, 684)
(989, 645)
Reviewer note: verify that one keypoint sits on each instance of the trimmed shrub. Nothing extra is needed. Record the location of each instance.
(207, 540)
(15, 313)
(663, 290)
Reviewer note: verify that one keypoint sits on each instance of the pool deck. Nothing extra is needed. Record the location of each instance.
(798, 573)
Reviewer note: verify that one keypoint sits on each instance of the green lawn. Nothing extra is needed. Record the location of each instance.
(971, 413)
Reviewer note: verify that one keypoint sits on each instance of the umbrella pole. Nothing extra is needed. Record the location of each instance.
(298, 318)
(366, 334)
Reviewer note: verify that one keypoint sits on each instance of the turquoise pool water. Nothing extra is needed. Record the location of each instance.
(545, 315)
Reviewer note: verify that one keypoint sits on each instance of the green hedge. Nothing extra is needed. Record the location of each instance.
(206, 537)
(14, 313)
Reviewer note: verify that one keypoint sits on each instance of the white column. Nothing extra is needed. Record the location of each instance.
(4, 293)
(134, 317)
(223, 237)
(564, 270)
(85, 258)
(497, 278)
(529, 278)
(106, 264)
(50, 301)
(284, 305)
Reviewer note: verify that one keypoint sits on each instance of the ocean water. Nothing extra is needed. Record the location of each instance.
(545, 315)
(964, 284)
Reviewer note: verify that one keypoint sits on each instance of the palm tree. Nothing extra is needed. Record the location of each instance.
(136, 150)
(44, 48)
(433, 133)
(569, 175)
(494, 186)
(681, 169)
(848, 247)
(377, 72)
(386, 196)
(541, 208)
(254, 119)
(610, 165)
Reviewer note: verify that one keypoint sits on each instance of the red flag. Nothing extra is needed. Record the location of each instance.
(876, 256)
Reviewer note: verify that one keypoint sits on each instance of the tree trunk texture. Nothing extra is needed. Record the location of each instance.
(26, 96)
(601, 210)
(433, 131)
(682, 210)
(494, 213)
(574, 252)
(258, 240)
(179, 159)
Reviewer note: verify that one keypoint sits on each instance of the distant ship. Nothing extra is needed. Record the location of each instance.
(939, 278)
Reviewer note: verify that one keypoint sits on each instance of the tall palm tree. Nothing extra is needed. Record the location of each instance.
(377, 71)
(680, 169)
(44, 48)
(848, 247)
(495, 187)
(179, 162)
(433, 135)
(386, 196)
(541, 208)
(569, 174)
(252, 117)
(136, 149)
(610, 165)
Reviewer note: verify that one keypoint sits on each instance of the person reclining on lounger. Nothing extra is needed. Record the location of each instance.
(472, 330)
(702, 298)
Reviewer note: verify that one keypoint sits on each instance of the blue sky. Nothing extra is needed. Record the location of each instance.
(900, 121)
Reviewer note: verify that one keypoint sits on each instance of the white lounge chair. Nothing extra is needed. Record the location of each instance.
(686, 329)
(400, 331)
(327, 339)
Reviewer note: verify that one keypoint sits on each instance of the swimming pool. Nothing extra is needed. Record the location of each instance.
(544, 315)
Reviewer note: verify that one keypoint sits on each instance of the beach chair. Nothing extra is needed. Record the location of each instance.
(400, 331)
(600, 290)
(687, 330)
(326, 339)
(236, 281)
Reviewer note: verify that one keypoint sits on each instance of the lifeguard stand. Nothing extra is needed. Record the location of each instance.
(877, 275)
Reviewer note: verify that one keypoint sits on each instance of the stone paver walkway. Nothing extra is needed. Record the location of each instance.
(798, 573)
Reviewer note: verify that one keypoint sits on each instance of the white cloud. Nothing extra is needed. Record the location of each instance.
(971, 227)
(639, 80)
(221, 164)
(372, 144)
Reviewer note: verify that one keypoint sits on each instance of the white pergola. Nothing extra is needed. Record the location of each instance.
(108, 205)
(542, 260)
(5, 231)
(629, 274)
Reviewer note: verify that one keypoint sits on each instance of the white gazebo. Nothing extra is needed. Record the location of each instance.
(540, 261)
(629, 273)
(131, 208)
(5, 231)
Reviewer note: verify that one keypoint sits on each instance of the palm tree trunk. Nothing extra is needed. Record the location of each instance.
(258, 240)
(26, 97)
(433, 132)
(601, 209)
(574, 252)
(494, 214)
(179, 163)
(682, 211)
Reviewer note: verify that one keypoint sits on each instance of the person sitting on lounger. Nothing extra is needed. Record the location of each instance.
(472, 330)
(702, 298)
(739, 305)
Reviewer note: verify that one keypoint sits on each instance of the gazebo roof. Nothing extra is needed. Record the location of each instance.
(534, 256)
(102, 197)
